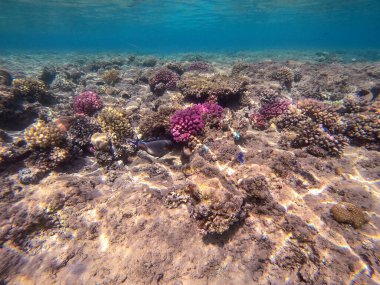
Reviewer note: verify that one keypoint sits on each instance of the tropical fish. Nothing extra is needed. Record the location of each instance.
(157, 148)
(240, 157)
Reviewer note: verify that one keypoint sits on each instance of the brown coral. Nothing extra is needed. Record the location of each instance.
(43, 135)
(345, 212)
(285, 76)
(30, 89)
(115, 121)
(111, 77)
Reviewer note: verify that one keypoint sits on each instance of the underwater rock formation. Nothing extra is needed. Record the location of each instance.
(162, 80)
(87, 103)
(345, 212)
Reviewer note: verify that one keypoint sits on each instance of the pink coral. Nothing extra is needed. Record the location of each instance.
(270, 111)
(191, 121)
(164, 79)
(87, 103)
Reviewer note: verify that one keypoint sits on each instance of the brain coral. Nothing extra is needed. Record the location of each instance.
(87, 103)
(43, 135)
(191, 121)
(162, 80)
(344, 212)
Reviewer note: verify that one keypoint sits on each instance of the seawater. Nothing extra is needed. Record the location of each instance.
(183, 26)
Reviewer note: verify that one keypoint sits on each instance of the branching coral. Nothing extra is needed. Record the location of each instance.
(111, 77)
(285, 76)
(115, 121)
(81, 130)
(363, 130)
(43, 135)
(162, 80)
(268, 112)
(30, 89)
(191, 121)
(87, 103)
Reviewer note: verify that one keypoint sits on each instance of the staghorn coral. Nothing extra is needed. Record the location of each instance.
(285, 76)
(363, 130)
(345, 212)
(87, 103)
(162, 80)
(221, 87)
(115, 121)
(30, 89)
(43, 135)
(191, 121)
(111, 77)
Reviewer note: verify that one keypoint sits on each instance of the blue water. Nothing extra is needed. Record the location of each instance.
(178, 26)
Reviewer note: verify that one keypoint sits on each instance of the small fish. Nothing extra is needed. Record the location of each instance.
(240, 157)
(157, 148)
(236, 136)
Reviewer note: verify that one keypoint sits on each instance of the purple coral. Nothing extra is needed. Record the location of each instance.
(164, 79)
(270, 111)
(198, 66)
(191, 121)
(87, 103)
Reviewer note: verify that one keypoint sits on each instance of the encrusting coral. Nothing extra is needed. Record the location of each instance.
(345, 212)
(43, 135)
(115, 121)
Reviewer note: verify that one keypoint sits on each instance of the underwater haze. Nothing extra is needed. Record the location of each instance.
(178, 26)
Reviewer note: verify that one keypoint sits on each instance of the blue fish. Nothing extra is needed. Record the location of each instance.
(240, 157)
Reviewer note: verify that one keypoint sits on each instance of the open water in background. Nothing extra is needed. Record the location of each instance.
(168, 26)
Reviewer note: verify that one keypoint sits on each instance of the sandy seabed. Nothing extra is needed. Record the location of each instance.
(137, 220)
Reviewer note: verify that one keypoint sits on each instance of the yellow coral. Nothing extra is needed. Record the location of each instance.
(115, 121)
(111, 76)
(43, 135)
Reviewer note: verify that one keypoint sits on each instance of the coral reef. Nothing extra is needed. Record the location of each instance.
(345, 212)
(191, 121)
(87, 103)
(31, 90)
(363, 129)
(285, 76)
(268, 112)
(115, 121)
(219, 87)
(81, 130)
(111, 77)
(48, 74)
(162, 80)
(43, 135)
(197, 66)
